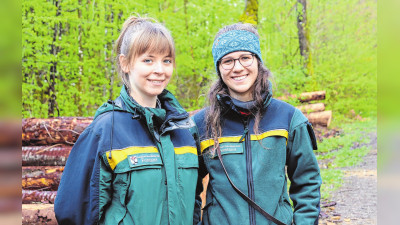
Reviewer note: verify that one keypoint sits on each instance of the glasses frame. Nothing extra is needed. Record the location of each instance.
(238, 59)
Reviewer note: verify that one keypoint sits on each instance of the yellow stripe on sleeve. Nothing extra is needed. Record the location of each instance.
(185, 149)
(282, 133)
(210, 142)
(119, 155)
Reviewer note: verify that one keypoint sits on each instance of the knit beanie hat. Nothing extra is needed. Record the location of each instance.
(235, 40)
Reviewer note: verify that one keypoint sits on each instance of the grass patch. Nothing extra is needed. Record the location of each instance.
(344, 150)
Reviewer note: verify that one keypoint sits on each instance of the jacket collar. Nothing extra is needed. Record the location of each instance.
(170, 112)
(239, 107)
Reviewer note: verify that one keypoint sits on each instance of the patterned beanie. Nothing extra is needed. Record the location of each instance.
(235, 40)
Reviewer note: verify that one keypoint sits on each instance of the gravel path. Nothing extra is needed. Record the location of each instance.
(356, 200)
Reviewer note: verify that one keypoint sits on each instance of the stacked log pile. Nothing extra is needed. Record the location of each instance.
(48, 142)
(46, 147)
(313, 110)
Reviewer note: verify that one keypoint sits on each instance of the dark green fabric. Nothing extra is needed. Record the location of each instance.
(174, 192)
(269, 157)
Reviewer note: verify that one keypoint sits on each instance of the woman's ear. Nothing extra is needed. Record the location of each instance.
(123, 61)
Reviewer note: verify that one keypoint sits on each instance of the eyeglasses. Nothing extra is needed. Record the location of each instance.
(245, 60)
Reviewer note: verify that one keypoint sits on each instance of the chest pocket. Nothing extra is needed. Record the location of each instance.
(137, 165)
(134, 163)
(136, 172)
(187, 164)
(186, 157)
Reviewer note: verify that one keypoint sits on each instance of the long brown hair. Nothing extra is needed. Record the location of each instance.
(138, 36)
(261, 85)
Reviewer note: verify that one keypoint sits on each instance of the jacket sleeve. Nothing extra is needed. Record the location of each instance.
(303, 171)
(202, 172)
(77, 200)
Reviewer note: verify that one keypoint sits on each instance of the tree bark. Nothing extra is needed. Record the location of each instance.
(250, 14)
(53, 68)
(38, 214)
(320, 118)
(311, 96)
(57, 130)
(35, 196)
(317, 107)
(45, 155)
(305, 97)
(41, 177)
(304, 34)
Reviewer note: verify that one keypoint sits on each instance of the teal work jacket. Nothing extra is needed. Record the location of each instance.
(132, 165)
(257, 164)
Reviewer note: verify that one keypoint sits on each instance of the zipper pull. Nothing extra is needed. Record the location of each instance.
(244, 134)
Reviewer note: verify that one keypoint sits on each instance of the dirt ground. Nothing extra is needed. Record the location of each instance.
(355, 202)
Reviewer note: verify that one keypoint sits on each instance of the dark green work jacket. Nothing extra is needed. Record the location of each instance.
(256, 164)
(132, 165)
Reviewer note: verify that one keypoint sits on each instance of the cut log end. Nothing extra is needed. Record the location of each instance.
(38, 214)
(320, 118)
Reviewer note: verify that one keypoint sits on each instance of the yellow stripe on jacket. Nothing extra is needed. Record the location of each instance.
(210, 142)
(119, 155)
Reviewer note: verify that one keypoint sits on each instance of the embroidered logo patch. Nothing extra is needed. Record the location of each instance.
(144, 159)
(227, 148)
(133, 160)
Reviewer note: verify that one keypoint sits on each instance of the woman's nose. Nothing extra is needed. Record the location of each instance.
(237, 65)
(159, 67)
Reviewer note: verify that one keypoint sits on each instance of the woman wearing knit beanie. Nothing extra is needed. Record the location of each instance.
(247, 138)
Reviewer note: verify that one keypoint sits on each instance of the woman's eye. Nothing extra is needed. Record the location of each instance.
(227, 61)
(168, 61)
(148, 61)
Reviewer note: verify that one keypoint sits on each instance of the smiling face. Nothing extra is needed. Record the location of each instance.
(149, 74)
(240, 80)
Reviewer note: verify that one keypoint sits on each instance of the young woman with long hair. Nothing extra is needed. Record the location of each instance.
(248, 139)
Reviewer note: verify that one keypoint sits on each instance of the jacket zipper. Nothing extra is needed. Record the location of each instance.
(249, 170)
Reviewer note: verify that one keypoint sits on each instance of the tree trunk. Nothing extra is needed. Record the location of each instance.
(53, 68)
(35, 196)
(320, 118)
(41, 177)
(305, 97)
(55, 155)
(304, 34)
(317, 107)
(57, 130)
(38, 214)
(250, 14)
(311, 96)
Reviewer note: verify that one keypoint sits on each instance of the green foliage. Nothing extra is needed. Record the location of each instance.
(67, 56)
(68, 62)
(343, 47)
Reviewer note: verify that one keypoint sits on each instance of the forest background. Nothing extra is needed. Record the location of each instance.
(68, 65)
